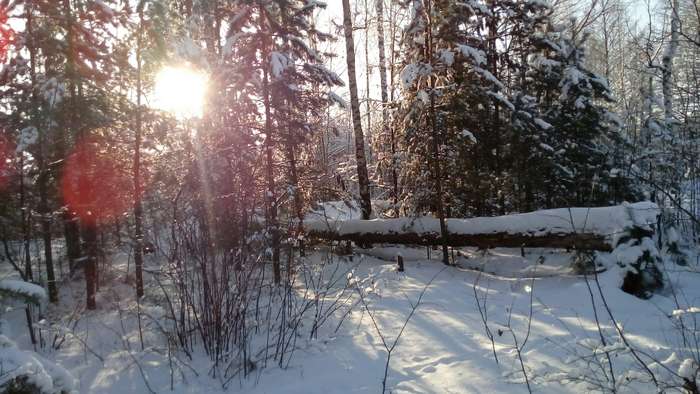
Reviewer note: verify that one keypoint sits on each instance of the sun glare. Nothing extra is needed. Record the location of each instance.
(180, 91)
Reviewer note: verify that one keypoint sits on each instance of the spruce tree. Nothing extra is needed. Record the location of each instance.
(444, 72)
(581, 133)
(278, 74)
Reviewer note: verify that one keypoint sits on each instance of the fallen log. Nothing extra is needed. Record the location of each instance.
(581, 228)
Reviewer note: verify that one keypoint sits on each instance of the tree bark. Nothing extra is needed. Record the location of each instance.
(435, 143)
(71, 226)
(385, 99)
(362, 176)
(42, 179)
(138, 209)
(368, 74)
(296, 190)
(26, 221)
(580, 241)
(88, 221)
(270, 195)
(90, 264)
(667, 63)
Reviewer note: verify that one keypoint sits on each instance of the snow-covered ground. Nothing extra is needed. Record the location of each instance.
(536, 302)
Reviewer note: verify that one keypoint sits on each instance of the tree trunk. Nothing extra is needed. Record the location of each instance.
(71, 227)
(667, 64)
(492, 59)
(385, 100)
(42, 179)
(71, 231)
(648, 113)
(435, 142)
(89, 223)
(362, 177)
(368, 73)
(26, 218)
(138, 210)
(270, 195)
(46, 232)
(297, 197)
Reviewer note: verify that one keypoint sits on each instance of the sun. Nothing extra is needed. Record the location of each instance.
(180, 91)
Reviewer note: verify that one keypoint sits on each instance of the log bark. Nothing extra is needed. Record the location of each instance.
(580, 241)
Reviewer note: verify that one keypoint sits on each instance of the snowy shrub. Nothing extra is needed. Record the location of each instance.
(225, 302)
(584, 262)
(24, 371)
(639, 259)
(18, 290)
(688, 371)
(676, 247)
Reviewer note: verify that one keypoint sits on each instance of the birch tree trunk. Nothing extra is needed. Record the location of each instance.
(667, 64)
(385, 99)
(368, 74)
(362, 177)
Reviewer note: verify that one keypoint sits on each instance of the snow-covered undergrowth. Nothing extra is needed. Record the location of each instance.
(21, 368)
(342, 316)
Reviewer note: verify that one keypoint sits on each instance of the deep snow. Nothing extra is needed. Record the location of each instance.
(444, 347)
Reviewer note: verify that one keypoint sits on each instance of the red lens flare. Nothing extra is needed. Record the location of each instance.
(95, 182)
(7, 35)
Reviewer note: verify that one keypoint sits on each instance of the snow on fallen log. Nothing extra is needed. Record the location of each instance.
(583, 228)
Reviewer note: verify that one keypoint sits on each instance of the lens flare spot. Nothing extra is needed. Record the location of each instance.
(7, 34)
(95, 182)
